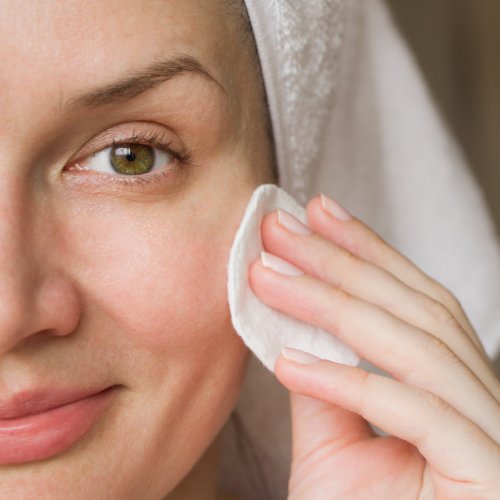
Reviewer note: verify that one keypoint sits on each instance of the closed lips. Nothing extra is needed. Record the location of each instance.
(32, 402)
(38, 426)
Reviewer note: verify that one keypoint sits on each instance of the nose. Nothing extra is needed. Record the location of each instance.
(50, 307)
(35, 295)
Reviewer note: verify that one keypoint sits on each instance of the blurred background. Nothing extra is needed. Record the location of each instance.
(457, 45)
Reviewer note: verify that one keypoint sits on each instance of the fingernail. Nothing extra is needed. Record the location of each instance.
(334, 209)
(279, 265)
(294, 225)
(304, 358)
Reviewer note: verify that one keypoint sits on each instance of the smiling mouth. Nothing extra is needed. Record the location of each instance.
(45, 424)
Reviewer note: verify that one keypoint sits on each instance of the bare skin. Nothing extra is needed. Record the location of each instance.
(108, 282)
(117, 279)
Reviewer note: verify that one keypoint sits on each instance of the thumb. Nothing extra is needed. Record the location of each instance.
(317, 425)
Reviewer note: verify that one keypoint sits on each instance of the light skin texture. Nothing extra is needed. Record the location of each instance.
(442, 407)
(104, 283)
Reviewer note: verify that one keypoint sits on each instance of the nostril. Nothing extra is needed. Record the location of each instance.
(13, 320)
(51, 308)
(58, 306)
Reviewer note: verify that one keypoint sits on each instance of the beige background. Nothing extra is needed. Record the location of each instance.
(457, 44)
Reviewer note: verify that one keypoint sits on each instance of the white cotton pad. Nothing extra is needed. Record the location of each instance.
(264, 330)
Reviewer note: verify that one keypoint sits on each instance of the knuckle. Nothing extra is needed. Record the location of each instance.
(326, 265)
(438, 350)
(431, 410)
(447, 299)
(363, 380)
(451, 302)
(442, 315)
(329, 263)
(346, 313)
(348, 259)
(431, 405)
(341, 268)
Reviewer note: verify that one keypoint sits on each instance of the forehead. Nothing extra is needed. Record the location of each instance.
(54, 47)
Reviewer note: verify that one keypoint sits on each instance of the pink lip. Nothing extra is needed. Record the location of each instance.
(38, 425)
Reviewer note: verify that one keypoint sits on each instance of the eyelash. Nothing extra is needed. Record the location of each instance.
(182, 157)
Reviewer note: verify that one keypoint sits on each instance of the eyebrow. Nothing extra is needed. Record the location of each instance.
(136, 83)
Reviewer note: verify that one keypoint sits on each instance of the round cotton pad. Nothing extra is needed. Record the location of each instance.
(264, 330)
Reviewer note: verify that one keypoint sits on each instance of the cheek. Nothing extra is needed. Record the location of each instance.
(162, 285)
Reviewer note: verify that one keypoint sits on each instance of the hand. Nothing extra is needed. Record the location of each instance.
(441, 408)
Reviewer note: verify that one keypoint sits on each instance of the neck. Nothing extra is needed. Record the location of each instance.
(201, 482)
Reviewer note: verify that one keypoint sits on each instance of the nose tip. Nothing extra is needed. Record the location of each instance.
(52, 307)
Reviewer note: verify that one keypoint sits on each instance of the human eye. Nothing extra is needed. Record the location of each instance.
(138, 158)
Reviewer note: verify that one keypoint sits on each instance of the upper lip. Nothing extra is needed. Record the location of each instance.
(31, 402)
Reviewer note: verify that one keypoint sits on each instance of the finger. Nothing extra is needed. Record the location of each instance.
(408, 353)
(324, 259)
(360, 240)
(451, 443)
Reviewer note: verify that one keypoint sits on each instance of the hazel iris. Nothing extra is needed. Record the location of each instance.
(132, 159)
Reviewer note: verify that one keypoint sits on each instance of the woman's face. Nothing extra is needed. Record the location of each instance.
(113, 255)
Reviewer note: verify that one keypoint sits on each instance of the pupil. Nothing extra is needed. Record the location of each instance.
(130, 156)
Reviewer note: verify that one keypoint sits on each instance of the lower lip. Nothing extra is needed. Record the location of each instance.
(46, 434)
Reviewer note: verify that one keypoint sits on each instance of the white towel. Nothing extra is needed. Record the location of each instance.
(353, 119)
